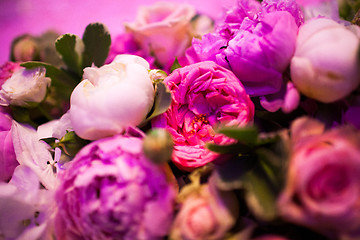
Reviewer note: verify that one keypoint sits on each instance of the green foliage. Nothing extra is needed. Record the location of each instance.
(70, 47)
(257, 166)
(162, 101)
(175, 65)
(70, 143)
(97, 43)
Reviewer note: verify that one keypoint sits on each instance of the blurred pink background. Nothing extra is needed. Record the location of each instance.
(72, 16)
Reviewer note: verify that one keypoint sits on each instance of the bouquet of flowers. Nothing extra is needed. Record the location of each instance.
(186, 127)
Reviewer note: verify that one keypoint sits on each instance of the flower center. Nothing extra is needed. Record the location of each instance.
(328, 183)
(197, 122)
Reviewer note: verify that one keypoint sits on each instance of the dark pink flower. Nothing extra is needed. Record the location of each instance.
(204, 95)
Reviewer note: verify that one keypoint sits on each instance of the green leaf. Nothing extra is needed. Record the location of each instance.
(235, 148)
(97, 43)
(260, 196)
(72, 143)
(245, 135)
(70, 47)
(22, 115)
(229, 175)
(162, 101)
(175, 65)
(63, 82)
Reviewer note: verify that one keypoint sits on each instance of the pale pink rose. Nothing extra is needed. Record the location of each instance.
(322, 187)
(204, 214)
(163, 30)
(325, 64)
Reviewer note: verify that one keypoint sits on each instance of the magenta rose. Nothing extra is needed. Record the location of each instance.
(111, 191)
(322, 187)
(204, 95)
(8, 161)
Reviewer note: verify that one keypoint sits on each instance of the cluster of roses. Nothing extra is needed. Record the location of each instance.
(93, 173)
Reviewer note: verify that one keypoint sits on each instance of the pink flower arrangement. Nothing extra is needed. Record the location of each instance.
(186, 127)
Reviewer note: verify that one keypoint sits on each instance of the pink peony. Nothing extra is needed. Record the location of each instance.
(110, 190)
(203, 96)
(322, 187)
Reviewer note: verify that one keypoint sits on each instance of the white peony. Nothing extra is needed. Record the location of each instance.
(111, 98)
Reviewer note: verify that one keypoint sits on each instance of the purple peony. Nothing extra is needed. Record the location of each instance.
(8, 161)
(290, 6)
(254, 41)
(261, 52)
(111, 191)
(235, 16)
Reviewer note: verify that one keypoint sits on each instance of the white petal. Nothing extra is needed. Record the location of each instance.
(33, 153)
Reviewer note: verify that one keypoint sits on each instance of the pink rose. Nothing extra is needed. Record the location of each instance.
(8, 161)
(203, 95)
(163, 30)
(322, 187)
(204, 214)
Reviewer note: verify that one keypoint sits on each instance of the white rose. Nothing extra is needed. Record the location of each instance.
(111, 98)
(25, 86)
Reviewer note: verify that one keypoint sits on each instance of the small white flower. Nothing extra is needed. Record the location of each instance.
(24, 87)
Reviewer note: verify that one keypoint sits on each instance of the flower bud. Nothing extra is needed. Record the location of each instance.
(158, 145)
(25, 49)
(325, 64)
